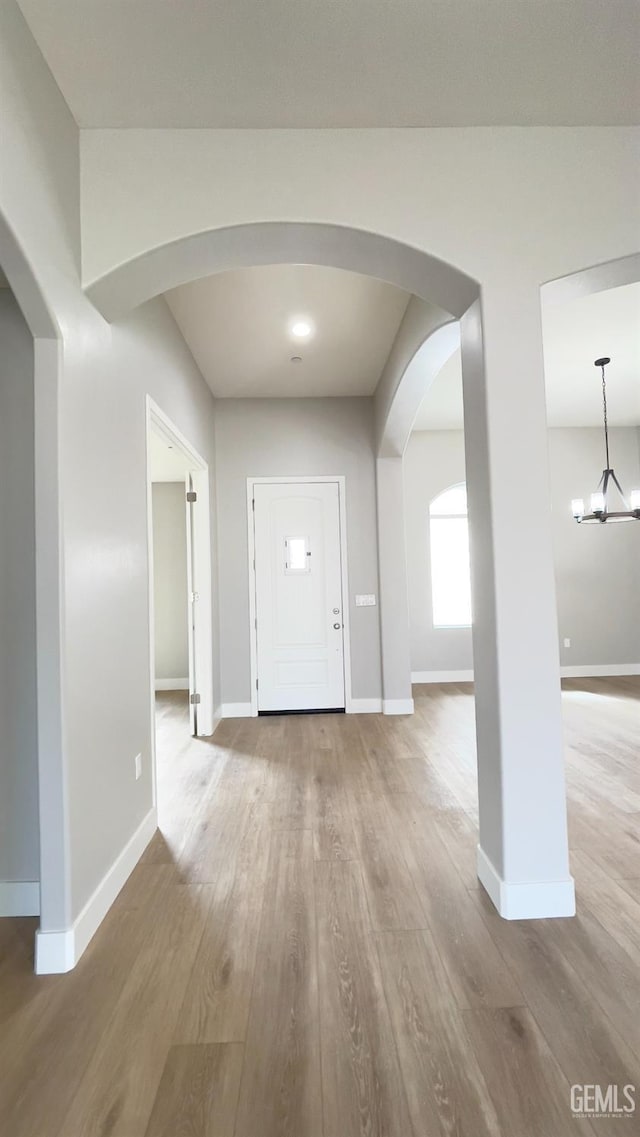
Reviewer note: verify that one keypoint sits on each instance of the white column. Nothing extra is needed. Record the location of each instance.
(394, 602)
(523, 851)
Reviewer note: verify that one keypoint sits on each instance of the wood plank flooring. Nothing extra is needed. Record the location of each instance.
(304, 950)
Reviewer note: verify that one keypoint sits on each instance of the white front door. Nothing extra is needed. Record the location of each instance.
(300, 648)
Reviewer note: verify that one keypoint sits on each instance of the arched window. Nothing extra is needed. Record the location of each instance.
(450, 572)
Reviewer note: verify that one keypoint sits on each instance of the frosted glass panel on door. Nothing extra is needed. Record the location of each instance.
(297, 555)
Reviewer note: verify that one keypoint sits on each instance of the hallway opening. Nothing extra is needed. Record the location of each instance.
(180, 552)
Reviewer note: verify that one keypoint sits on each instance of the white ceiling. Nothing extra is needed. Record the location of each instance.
(359, 63)
(237, 327)
(605, 323)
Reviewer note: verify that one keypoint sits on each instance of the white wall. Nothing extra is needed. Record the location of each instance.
(262, 437)
(40, 254)
(495, 202)
(19, 845)
(90, 386)
(106, 601)
(171, 640)
(104, 373)
(596, 567)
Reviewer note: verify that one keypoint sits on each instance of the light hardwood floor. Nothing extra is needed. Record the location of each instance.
(304, 950)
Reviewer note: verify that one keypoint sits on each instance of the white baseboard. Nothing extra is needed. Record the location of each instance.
(397, 706)
(526, 900)
(236, 711)
(19, 898)
(582, 671)
(365, 707)
(172, 684)
(600, 670)
(442, 676)
(58, 952)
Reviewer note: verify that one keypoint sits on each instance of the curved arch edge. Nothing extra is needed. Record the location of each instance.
(25, 287)
(438, 345)
(596, 278)
(260, 243)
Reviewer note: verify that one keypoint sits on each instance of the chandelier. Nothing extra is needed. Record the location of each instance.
(600, 507)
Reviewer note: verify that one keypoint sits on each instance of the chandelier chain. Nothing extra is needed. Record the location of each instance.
(606, 423)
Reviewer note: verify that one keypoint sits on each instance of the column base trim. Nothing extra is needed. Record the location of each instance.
(526, 900)
(58, 952)
(236, 711)
(364, 707)
(397, 706)
(55, 952)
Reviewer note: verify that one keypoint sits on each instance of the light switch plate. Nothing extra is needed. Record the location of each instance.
(366, 601)
(567, 642)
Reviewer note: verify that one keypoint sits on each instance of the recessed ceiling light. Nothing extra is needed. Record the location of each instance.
(301, 328)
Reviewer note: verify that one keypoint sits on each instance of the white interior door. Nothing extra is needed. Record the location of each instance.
(300, 640)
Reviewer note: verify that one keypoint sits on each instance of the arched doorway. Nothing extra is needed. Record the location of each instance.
(516, 738)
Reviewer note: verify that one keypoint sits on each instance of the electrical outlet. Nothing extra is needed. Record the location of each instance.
(138, 765)
(567, 642)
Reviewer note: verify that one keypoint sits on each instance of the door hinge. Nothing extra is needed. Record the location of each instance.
(192, 495)
(256, 684)
(253, 504)
(194, 699)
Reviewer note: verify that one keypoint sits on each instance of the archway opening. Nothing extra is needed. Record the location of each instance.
(268, 243)
(587, 316)
(507, 835)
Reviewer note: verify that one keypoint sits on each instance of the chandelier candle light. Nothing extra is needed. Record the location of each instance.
(600, 511)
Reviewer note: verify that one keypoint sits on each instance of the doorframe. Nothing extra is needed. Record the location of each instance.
(157, 420)
(307, 479)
